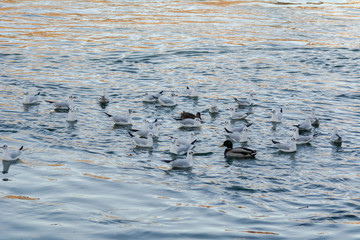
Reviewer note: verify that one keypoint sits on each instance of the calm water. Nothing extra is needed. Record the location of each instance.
(86, 180)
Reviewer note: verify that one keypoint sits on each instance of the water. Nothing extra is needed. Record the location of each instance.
(86, 179)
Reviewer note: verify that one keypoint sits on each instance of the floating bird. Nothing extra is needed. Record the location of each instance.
(167, 101)
(236, 129)
(11, 155)
(151, 98)
(238, 152)
(305, 125)
(142, 142)
(313, 118)
(183, 141)
(189, 122)
(276, 117)
(146, 130)
(335, 137)
(302, 139)
(123, 119)
(238, 136)
(245, 102)
(213, 108)
(181, 162)
(30, 99)
(72, 115)
(238, 115)
(185, 115)
(192, 91)
(180, 149)
(63, 104)
(286, 147)
(104, 98)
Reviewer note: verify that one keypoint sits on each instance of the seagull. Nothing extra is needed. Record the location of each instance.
(182, 163)
(180, 149)
(238, 115)
(236, 129)
(286, 147)
(192, 91)
(142, 142)
(72, 116)
(313, 118)
(11, 155)
(104, 99)
(151, 98)
(146, 130)
(335, 137)
(30, 99)
(189, 122)
(167, 101)
(305, 125)
(245, 102)
(122, 119)
(276, 116)
(238, 136)
(213, 108)
(63, 104)
(183, 141)
(302, 139)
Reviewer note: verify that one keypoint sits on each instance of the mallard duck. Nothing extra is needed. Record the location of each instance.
(185, 115)
(241, 152)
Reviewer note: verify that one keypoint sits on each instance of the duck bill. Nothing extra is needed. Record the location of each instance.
(221, 145)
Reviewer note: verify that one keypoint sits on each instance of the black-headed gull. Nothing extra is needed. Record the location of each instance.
(238, 136)
(213, 108)
(63, 104)
(30, 99)
(245, 102)
(182, 162)
(313, 118)
(286, 147)
(11, 155)
(305, 125)
(238, 115)
(104, 98)
(142, 142)
(124, 119)
(151, 98)
(235, 128)
(192, 91)
(335, 137)
(180, 149)
(302, 139)
(276, 117)
(189, 122)
(72, 115)
(167, 101)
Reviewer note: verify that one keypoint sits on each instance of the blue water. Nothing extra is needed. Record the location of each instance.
(86, 180)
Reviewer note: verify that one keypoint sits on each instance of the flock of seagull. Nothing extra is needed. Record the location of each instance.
(144, 137)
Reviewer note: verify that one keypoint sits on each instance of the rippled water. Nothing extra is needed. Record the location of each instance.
(87, 180)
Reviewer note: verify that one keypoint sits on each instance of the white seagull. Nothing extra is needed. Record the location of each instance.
(142, 142)
(213, 108)
(180, 149)
(11, 155)
(286, 147)
(167, 101)
(305, 125)
(63, 104)
(151, 98)
(300, 139)
(184, 141)
(276, 117)
(182, 163)
(30, 99)
(238, 115)
(245, 102)
(236, 128)
(189, 122)
(238, 136)
(335, 137)
(72, 115)
(313, 118)
(122, 119)
(192, 91)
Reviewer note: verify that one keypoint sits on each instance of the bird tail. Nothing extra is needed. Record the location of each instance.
(49, 101)
(109, 115)
(274, 142)
(227, 130)
(131, 135)
(21, 148)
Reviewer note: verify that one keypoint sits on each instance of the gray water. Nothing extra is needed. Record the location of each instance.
(86, 180)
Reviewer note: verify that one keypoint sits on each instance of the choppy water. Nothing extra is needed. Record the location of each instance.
(87, 180)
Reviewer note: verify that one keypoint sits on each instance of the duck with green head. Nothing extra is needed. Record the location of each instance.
(240, 152)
